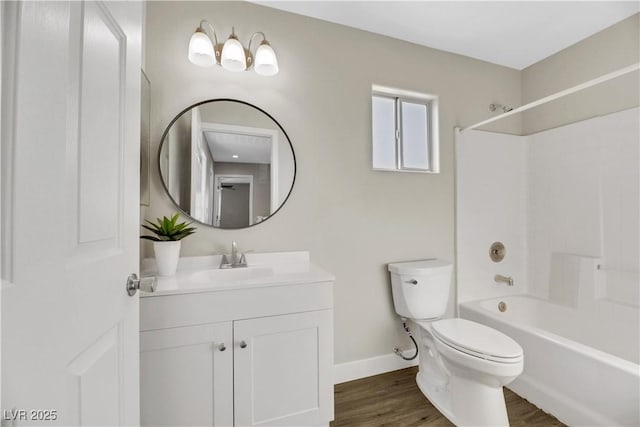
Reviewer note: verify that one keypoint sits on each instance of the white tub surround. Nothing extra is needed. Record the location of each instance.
(491, 198)
(243, 346)
(571, 190)
(575, 367)
(565, 203)
(583, 198)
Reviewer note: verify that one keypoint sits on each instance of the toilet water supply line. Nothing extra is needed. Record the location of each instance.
(408, 331)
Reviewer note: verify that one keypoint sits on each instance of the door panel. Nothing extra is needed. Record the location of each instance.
(69, 330)
(283, 375)
(95, 114)
(99, 158)
(185, 377)
(93, 386)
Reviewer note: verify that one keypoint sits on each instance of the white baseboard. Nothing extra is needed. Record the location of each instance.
(363, 368)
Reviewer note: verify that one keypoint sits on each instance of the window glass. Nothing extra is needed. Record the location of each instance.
(414, 135)
(384, 132)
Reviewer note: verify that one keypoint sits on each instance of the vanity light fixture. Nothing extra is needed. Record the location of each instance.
(232, 55)
(235, 156)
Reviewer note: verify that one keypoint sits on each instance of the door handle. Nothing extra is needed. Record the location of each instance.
(243, 344)
(147, 284)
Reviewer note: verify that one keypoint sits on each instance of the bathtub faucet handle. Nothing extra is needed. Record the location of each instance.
(504, 279)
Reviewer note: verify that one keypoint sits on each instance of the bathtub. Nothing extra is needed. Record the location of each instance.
(579, 365)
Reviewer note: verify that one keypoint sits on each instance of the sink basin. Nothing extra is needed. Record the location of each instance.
(227, 276)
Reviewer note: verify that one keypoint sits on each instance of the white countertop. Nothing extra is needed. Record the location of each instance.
(202, 274)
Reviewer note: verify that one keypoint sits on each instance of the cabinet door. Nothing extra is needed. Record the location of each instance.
(186, 379)
(283, 370)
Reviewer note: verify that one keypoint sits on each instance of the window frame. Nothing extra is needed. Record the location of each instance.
(432, 137)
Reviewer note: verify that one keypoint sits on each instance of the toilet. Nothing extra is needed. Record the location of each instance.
(463, 365)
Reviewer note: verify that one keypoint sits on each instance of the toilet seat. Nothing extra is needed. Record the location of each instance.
(477, 340)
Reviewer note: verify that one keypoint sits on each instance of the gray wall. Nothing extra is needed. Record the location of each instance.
(353, 220)
(607, 51)
(261, 182)
(236, 200)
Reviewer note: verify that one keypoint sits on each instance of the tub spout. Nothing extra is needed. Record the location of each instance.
(504, 279)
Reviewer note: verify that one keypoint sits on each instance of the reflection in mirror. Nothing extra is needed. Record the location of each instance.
(226, 163)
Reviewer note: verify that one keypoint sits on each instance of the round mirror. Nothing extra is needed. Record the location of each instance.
(226, 163)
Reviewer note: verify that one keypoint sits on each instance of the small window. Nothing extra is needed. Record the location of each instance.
(404, 131)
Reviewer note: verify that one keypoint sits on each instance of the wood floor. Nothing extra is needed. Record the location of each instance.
(393, 399)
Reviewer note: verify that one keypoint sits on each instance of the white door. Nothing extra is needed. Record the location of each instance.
(69, 329)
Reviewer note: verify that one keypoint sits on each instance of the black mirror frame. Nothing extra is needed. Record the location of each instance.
(164, 185)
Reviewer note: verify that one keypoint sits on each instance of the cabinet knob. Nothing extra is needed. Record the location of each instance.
(243, 344)
(222, 347)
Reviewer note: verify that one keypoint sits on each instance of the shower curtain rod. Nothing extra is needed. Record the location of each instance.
(558, 95)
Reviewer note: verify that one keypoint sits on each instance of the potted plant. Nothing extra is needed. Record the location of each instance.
(166, 242)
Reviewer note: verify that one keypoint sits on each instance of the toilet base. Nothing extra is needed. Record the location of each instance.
(477, 404)
(465, 402)
(439, 396)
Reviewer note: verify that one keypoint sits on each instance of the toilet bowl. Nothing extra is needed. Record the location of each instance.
(463, 365)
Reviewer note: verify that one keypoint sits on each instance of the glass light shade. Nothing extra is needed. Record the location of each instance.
(201, 50)
(233, 56)
(266, 62)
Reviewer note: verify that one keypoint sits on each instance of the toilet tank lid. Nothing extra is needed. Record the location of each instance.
(426, 266)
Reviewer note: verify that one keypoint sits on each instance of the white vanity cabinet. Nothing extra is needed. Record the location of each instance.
(257, 354)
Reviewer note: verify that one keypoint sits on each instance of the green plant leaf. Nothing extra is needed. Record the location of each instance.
(152, 229)
(155, 239)
(153, 224)
(174, 219)
(167, 229)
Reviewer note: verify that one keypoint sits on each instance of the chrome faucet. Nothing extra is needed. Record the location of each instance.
(234, 253)
(504, 279)
(235, 261)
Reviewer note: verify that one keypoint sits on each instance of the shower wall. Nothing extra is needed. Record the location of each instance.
(583, 199)
(570, 190)
(490, 207)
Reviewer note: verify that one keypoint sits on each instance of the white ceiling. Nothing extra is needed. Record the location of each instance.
(511, 33)
(248, 148)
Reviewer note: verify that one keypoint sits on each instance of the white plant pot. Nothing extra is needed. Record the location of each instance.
(167, 254)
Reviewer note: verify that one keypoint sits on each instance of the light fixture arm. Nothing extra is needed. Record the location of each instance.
(258, 33)
(217, 46)
(213, 30)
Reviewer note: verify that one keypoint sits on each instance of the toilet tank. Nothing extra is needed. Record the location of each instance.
(421, 288)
